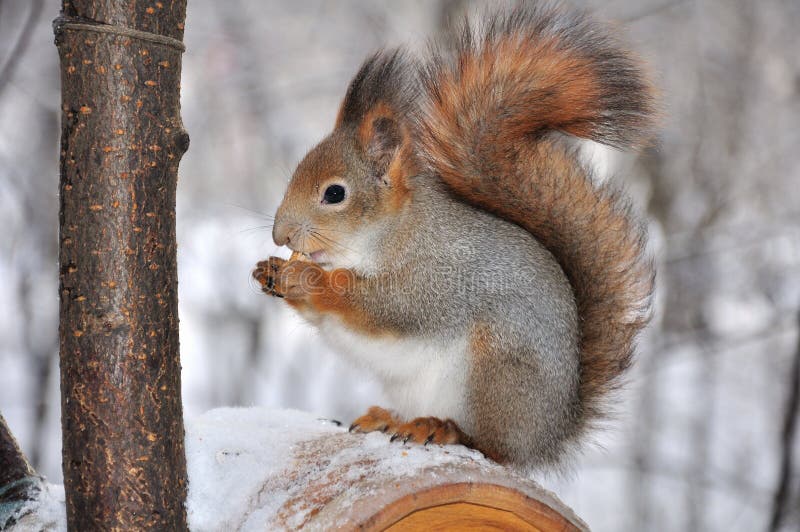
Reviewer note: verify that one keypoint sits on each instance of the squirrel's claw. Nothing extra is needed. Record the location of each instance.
(376, 419)
(422, 430)
(425, 430)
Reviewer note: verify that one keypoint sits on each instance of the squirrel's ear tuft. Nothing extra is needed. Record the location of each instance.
(383, 92)
(385, 78)
(380, 135)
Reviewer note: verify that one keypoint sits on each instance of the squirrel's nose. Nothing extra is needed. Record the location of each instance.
(280, 234)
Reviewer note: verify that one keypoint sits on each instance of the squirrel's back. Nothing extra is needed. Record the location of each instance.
(492, 98)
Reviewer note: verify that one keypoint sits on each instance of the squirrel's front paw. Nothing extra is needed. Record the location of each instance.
(265, 273)
(290, 279)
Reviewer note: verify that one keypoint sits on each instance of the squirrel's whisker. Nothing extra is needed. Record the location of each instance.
(257, 213)
(258, 228)
(330, 241)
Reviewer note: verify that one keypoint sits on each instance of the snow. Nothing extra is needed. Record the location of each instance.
(232, 451)
(261, 469)
(265, 461)
(46, 513)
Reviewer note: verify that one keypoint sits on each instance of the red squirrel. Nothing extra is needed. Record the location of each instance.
(457, 246)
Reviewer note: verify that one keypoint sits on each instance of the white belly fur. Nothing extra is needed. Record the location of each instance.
(420, 377)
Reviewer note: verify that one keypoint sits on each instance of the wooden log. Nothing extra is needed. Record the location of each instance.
(253, 469)
(282, 470)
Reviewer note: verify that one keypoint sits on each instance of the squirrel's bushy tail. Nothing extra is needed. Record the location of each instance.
(491, 97)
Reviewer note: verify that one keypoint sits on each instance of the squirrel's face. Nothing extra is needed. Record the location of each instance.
(339, 199)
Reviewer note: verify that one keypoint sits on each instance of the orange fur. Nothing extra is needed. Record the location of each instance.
(376, 419)
(426, 430)
(401, 168)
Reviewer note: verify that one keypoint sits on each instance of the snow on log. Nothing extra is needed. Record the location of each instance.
(255, 469)
(279, 470)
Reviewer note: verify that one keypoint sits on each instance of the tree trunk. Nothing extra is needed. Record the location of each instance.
(18, 481)
(121, 141)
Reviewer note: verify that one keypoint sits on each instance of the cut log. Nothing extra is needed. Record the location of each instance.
(290, 470)
(252, 469)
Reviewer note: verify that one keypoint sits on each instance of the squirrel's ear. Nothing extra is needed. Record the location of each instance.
(381, 136)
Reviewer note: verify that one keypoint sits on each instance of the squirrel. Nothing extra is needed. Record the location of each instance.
(455, 244)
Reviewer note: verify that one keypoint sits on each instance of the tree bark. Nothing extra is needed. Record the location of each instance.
(121, 142)
(18, 481)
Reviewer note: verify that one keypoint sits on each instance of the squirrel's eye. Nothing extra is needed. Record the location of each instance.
(333, 194)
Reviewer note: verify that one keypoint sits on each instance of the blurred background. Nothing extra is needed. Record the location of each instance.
(707, 432)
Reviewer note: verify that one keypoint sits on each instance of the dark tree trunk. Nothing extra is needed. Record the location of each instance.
(121, 141)
(18, 481)
(13, 465)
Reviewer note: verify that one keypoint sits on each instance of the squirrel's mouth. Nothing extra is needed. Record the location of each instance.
(319, 256)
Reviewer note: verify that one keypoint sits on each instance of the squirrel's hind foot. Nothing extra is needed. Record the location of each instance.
(423, 430)
(427, 430)
(376, 419)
